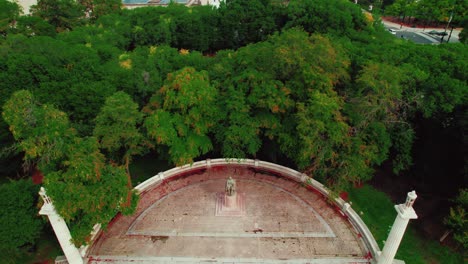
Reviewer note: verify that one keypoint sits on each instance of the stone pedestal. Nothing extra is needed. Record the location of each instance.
(230, 202)
(230, 205)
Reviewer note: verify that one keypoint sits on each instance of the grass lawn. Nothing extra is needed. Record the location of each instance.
(378, 213)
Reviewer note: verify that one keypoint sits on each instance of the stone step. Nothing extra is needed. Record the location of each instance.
(167, 260)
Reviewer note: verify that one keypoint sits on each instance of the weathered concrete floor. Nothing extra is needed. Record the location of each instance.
(283, 221)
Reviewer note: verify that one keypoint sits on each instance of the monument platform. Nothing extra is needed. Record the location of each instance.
(230, 206)
(185, 220)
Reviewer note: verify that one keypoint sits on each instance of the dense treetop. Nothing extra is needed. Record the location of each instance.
(313, 84)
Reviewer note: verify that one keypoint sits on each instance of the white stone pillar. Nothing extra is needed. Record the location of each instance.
(405, 213)
(60, 229)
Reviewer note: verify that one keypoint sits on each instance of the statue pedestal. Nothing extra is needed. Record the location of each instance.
(230, 202)
(230, 205)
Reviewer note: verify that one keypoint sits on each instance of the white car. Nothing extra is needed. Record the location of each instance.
(393, 31)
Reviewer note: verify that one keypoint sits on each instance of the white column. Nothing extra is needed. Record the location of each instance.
(61, 230)
(405, 213)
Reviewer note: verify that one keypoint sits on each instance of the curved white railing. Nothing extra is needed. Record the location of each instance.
(345, 207)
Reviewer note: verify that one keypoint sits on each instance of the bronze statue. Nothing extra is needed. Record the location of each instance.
(230, 186)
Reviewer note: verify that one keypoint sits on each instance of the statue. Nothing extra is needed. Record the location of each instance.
(230, 202)
(230, 186)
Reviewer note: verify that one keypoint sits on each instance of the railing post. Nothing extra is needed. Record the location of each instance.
(405, 213)
(60, 229)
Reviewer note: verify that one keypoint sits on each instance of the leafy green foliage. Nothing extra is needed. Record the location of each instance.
(438, 10)
(181, 114)
(379, 106)
(403, 137)
(192, 28)
(87, 194)
(401, 8)
(321, 129)
(378, 95)
(457, 220)
(243, 21)
(20, 223)
(463, 36)
(322, 16)
(117, 127)
(85, 189)
(42, 131)
(98, 8)
(9, 11)
(62, 75)
(239, 135)
(32, 26)
(327, 150)
(63, 14)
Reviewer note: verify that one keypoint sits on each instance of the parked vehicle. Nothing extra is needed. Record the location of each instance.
(438, 33)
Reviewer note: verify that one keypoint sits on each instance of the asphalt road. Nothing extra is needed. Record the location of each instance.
(415, 37)
(419, 35)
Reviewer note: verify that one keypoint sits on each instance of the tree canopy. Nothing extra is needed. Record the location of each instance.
(86, 190)
(314, 84)
(20, 223)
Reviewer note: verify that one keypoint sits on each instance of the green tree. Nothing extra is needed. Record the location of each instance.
(444, 10)
(326, 147)
(445, 86)
(385, 96)
(239, 133)
(378, 96)
(41, 131)
(463, 36)
(242, 22)
(195, 29)
(98, 8)
(154, 25)
(62, 14)
(66, 75)
(117, 130)
(457, 219)
(85, 189)
(402, 8)
(20, 223)
(9, 11)
(321, 130)
(181, 114)
(261, 99)
(33, 26)
(323, 16)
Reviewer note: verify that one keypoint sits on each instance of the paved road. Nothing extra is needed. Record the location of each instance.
(419, 35)
(416, 37)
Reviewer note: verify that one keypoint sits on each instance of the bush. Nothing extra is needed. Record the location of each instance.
(19, 221)
(457, 220)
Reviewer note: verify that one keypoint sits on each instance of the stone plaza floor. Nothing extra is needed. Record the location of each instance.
(281, 222)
